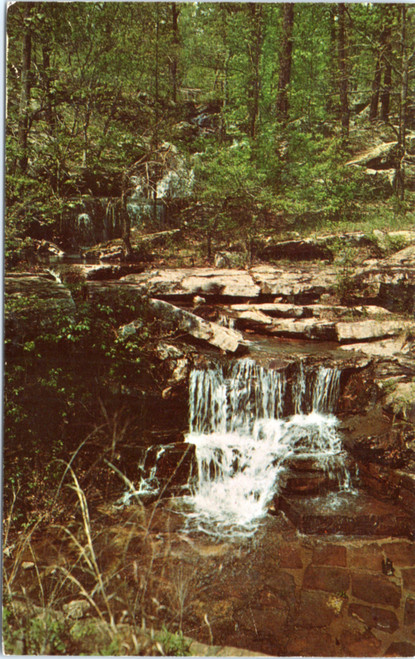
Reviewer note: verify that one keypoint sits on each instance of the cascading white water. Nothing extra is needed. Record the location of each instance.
(242, 440)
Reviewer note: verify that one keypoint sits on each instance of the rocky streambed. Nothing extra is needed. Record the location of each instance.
(314, 579)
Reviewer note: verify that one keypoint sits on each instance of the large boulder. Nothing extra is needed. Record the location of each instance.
(382, 156)
(389, 282)
(34, 303)
(224, 338)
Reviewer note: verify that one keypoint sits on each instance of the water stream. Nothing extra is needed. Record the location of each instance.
(243, 439)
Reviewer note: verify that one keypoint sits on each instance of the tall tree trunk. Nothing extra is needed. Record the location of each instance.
(403, 108)
(387, 66)
(254, 49)
(175, 12)
(383, 65)
(155, 140)
(331, 102)
(49, 110)
(23, 128)
(387, 85)
(124, 215)
(344, 78)
(374, 100)
(225, 97)
(282, 103)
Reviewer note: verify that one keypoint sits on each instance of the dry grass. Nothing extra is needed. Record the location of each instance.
(114, 563)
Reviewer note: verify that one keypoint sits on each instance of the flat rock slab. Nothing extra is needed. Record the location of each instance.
(346, 514)
(309, 281)
(382, 348)
(195, 281)
(224, 338)
(364, 330)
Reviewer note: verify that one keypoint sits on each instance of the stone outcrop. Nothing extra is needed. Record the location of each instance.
(382, 156)
(188, 282)
(363, 330)
(224, 338)
(296, 250)
(299, 285)
(33, 303)
(389, 282)
(324, 247)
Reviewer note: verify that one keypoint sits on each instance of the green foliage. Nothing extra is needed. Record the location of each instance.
(234, 197)
(57, 370)
(174, 644)
(43, 634)
(345, 281)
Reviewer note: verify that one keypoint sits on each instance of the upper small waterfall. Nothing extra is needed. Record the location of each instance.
(233, 404)
(326, 389)
(237, 423)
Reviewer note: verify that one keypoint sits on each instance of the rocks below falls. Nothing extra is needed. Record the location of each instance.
(174, 318)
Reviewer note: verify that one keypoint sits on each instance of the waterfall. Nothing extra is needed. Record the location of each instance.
(242, 440)
(326, 389)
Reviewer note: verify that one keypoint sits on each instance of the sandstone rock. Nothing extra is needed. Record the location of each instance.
(296, 250)
(289, 556)
(223, 260)
(252, 320)
(76, 609)
(378, 157)
(329, 554)
(313, 610)
(220, 337)
(385, 348)
(376, 590)
(364, 330)
(174, 465)
(400, 649)
(375, 617)
(401, 401)
(408, 577)
(389, 283)
(357, 644)
(48, 249)
(195, 281)
(168, 351)
(34, 301)
(97, 272)
(400, 552)
(158, 239)
(368, 557)
(321, 311)
(307, 328)
(202, 650)
(305, 284)
(274, 310)
(309, 642)
(405, 257)
(332, 579)
(381, 177)
(114, 250)
(409, 611)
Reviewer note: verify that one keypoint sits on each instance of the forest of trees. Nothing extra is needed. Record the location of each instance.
(262, 111)
(267, 101)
